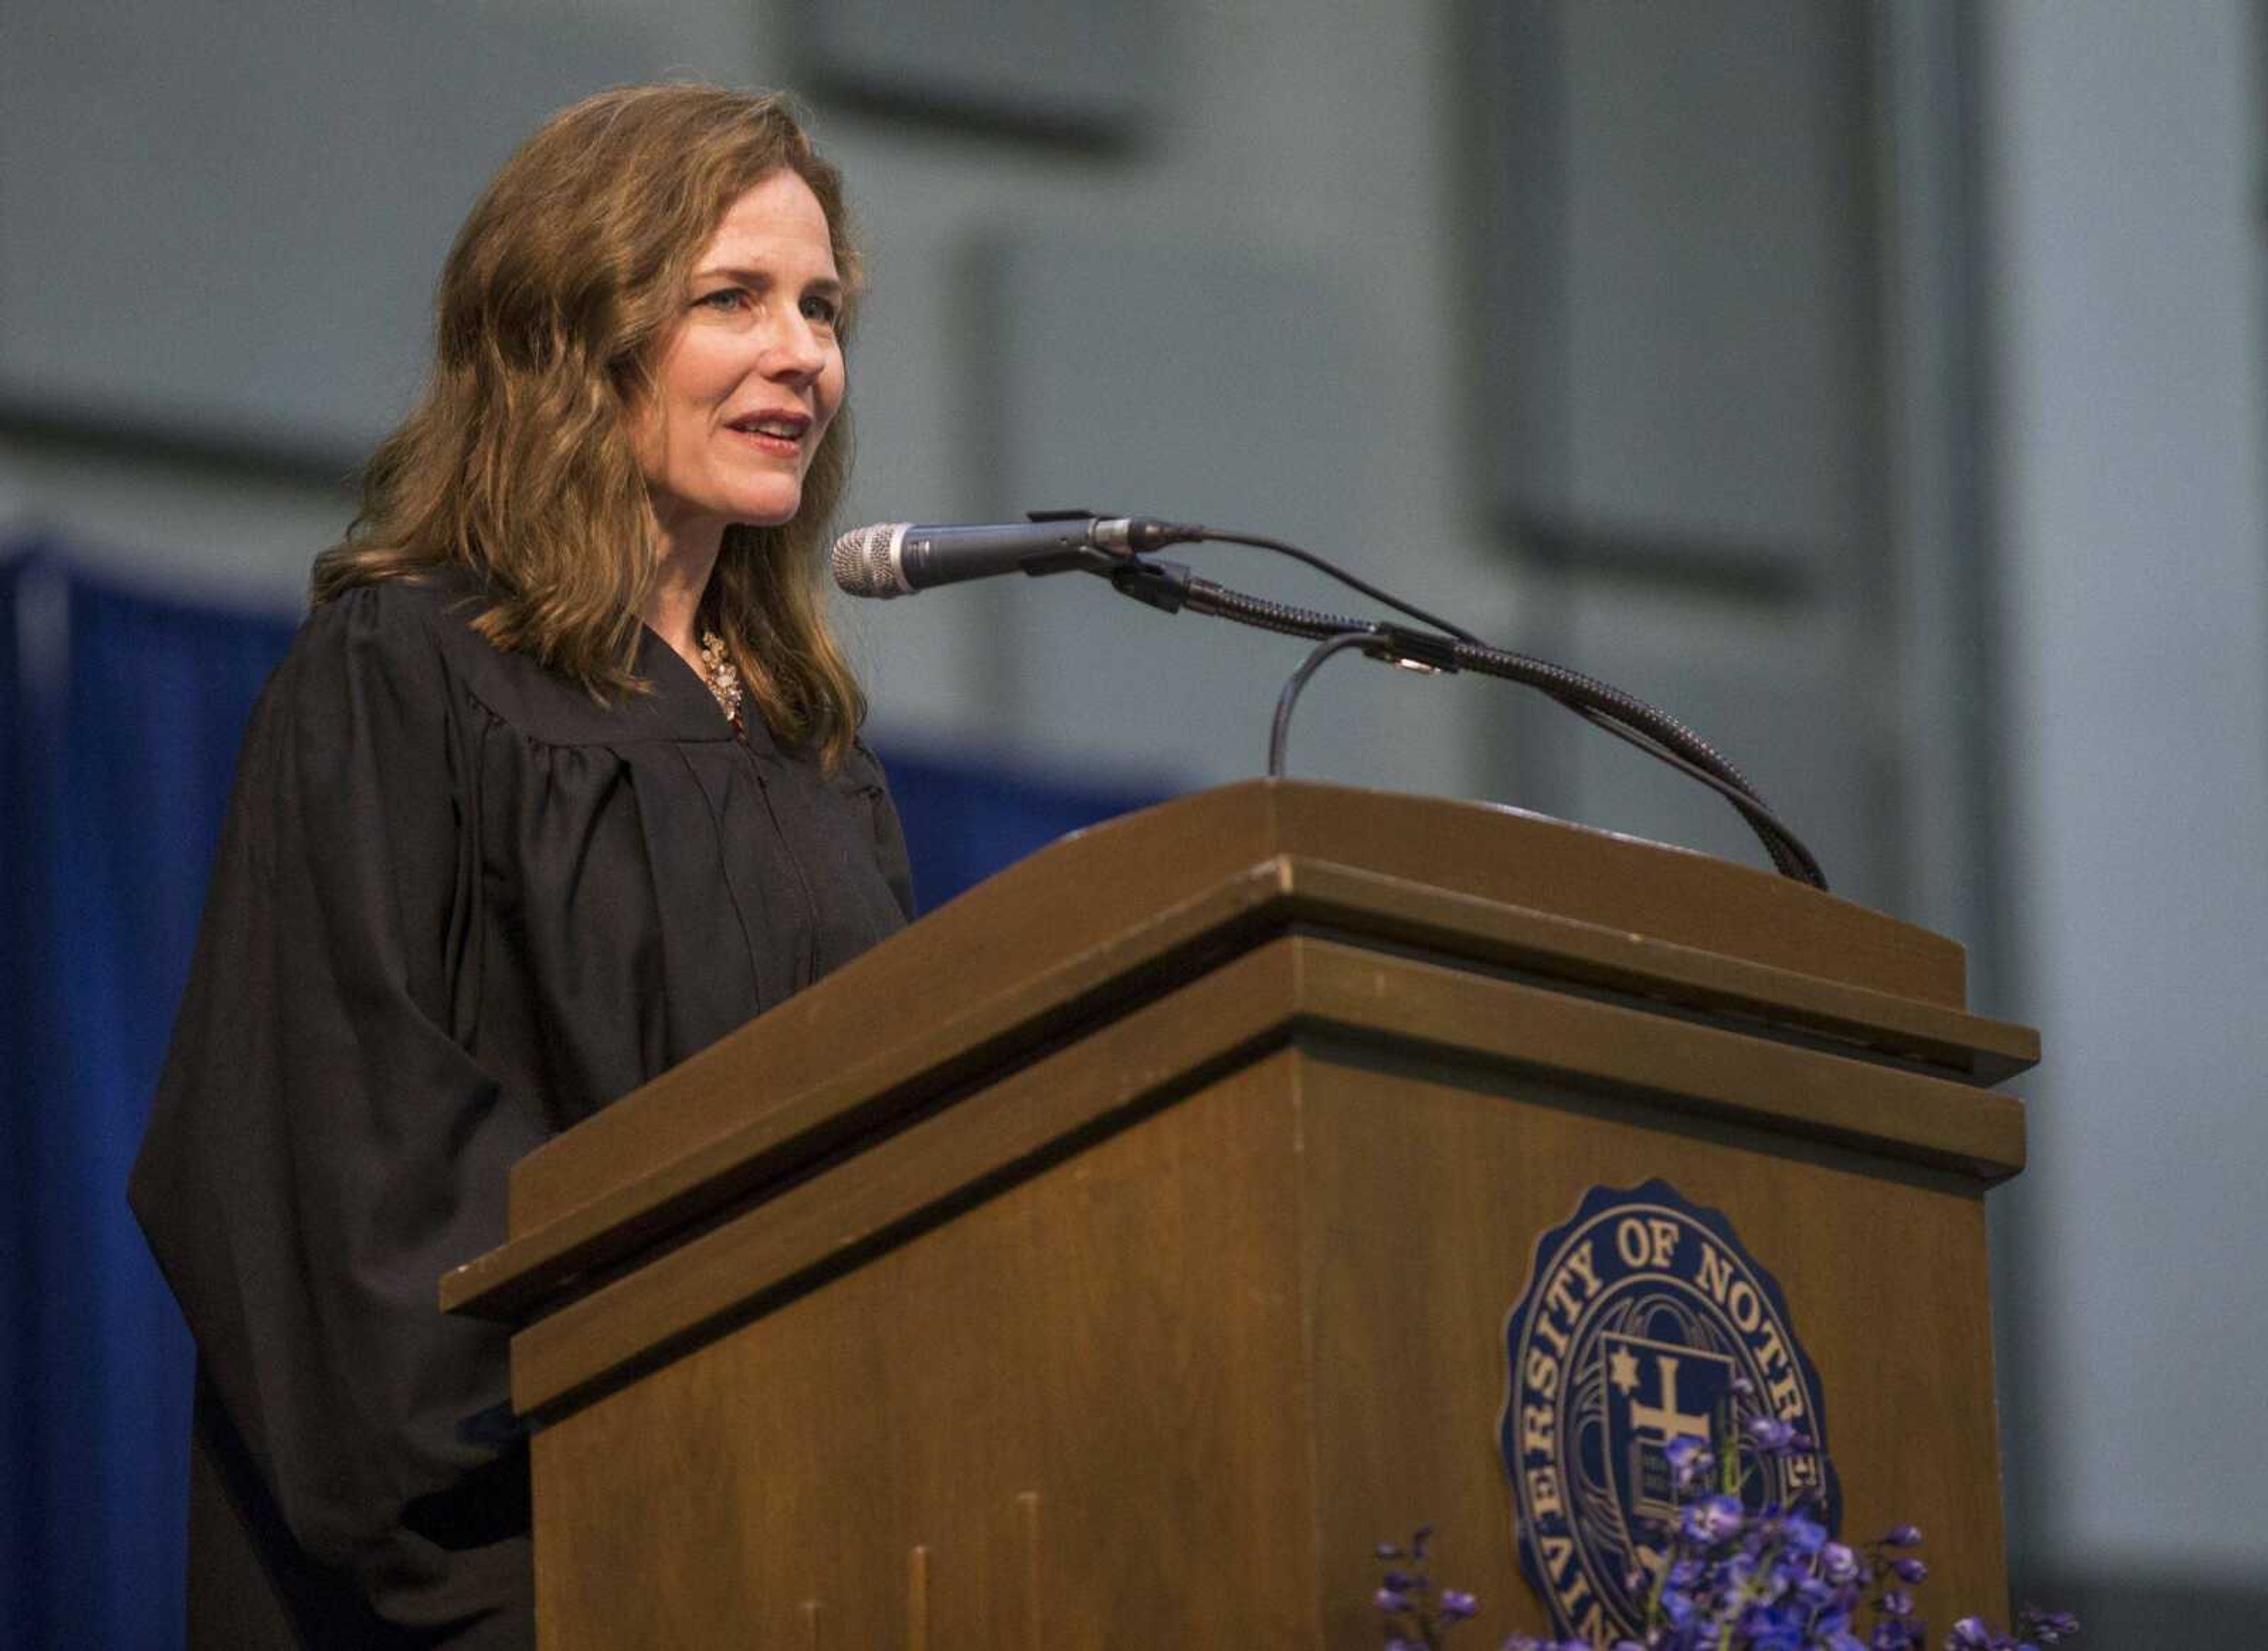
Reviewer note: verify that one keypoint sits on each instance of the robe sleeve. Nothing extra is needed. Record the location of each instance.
(864, 769)
(322, 1148)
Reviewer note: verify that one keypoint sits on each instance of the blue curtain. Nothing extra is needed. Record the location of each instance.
(119, 713)
(123, 713)
(965, 820)
(19, 809)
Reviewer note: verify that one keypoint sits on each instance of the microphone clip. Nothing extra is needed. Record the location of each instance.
(1413, 650)
(1163, 585)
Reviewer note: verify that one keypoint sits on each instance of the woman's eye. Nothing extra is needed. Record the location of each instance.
(823, 309)
(723, 298)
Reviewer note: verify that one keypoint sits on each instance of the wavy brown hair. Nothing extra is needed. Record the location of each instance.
(563, 289)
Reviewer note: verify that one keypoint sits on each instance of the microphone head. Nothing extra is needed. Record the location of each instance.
(865, 564)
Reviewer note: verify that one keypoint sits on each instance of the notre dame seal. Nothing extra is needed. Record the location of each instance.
(1639, 1315)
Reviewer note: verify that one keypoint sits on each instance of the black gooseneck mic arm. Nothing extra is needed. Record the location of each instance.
(896, 559)
(1170, 587)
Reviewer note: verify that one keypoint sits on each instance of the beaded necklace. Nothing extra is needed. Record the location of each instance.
(722, 675)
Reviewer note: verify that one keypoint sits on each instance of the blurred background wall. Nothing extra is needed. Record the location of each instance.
(1877, 386)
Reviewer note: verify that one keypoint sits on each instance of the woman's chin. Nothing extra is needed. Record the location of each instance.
(770, 508)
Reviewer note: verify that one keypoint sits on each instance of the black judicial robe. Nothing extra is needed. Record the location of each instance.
(458, 904)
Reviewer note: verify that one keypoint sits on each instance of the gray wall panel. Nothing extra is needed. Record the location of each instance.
(2124, 149)
(1074, 68)
(1767, 685)
(231, 217)
(1698, 178)
(1211, 385)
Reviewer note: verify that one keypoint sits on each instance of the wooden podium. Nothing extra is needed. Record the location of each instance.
(1116, 1256)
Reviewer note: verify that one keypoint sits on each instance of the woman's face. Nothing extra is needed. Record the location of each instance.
(753, 375)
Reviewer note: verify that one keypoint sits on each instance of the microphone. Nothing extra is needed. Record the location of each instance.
(894, 559)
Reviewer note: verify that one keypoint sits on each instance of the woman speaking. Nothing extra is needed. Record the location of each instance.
(559, 783)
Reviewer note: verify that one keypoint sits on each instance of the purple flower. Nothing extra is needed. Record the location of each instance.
(1971, 1633)
(1903, 1537)
(1391, 1600)
(1689, 1461)
(1776, 1581)
(1713, 1519)
(1767, 1624)
(2048, 1627)
(1815, 1595)
(1770, 1435)
(1837, 1564)
(1910, 1570)
(1456, 1605)
(1803, 1536)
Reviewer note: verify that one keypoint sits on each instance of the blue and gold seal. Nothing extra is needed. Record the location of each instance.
(1645, 1319)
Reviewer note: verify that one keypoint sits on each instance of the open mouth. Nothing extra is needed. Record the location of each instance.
(774, 432)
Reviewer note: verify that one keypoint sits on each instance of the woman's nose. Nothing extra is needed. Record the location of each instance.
(795, 352)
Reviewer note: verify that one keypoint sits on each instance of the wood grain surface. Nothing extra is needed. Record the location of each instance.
(1171, 1390)
(1097, 889)
(761, 1106)
(1694, 1075)
(1116, 1256)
